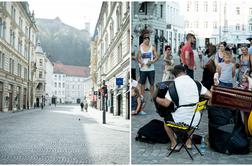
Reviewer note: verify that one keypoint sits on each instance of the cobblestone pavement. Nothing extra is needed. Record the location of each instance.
(59, 135)
(144, 153)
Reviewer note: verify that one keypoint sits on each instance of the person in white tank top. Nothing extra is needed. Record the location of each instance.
(147, 56)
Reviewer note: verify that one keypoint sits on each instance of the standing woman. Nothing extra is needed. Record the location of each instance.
(168, 64)
(219, 55)
(244, 65)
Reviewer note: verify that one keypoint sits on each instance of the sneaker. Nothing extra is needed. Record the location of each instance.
(142, 113)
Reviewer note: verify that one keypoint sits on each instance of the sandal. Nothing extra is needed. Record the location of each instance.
(176, 149)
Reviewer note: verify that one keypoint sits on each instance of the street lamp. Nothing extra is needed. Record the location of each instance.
(104, 96)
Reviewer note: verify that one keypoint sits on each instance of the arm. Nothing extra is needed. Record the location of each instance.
(163, 101)
(156, 56)
(187, 58)
(233, 71)
(139, 57)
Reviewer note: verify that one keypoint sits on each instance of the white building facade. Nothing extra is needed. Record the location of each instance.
(174, 25)
(111, 48)
(214, 21)
(59, 87)
(17, 45)
(69, 83)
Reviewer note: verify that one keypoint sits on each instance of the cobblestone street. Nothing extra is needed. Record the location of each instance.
(144, 153)
(60, 135)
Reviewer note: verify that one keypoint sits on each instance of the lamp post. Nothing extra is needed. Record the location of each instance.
(104, 101)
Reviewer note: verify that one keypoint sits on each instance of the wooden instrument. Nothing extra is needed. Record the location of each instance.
(234, 98)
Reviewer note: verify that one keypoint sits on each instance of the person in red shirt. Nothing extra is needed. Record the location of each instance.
(187, 55)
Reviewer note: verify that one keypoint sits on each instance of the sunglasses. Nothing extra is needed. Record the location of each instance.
(147, 37)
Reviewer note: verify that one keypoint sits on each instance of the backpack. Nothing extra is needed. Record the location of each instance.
(227, 131)
(165, 86)
(152, 132)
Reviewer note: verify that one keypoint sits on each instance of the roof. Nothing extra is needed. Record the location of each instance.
(70, 70)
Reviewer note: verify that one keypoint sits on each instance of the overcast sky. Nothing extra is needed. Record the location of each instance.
(72, 12)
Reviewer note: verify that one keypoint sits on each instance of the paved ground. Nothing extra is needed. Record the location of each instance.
(60, 135)
(144, 153)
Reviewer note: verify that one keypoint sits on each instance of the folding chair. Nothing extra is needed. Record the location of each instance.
(184, 129)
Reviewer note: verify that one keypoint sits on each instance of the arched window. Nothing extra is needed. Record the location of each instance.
(111, 30)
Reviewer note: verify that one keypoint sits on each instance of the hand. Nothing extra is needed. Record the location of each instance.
(149, 63)
(216, 82)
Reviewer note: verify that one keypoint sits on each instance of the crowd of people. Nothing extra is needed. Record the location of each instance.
(221, 64)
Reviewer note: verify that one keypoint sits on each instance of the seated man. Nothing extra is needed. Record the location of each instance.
(188, 94)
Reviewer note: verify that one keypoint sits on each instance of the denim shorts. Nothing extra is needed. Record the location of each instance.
(145, 74)
(227, 85)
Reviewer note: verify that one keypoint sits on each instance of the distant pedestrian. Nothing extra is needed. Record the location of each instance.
(82, 106)
(219, 55)
(200, 54)
(86, 104)
(42, 105)
(187, 55)
(168, 64)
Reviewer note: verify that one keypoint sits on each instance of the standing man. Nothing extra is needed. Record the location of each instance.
(147, 56)
(187, 55)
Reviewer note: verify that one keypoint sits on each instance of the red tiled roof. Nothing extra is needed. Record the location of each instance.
(60, 68)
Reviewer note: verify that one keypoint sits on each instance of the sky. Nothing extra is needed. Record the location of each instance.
(71, 12)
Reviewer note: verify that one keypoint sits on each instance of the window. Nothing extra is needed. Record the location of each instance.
(196, 6)
(55, 92)
(237, 27)
(59, 85)
(13, 12)
(111, 30)
(2, 28)
(187, 6)
(214, 6)
(2, 60)
(186, 24)
(20, 23)
(205, 6)
(19, 69)
(250, 27)
(40, 74)
(11, 65)
(119, 52)
(196, 24)
(243, 27)
(237, 10)
(215, 25)
(40, 62)
(63, 85)
(205, 24)
(250, 11)
(55, 85)
(143, 8)
(25, 73)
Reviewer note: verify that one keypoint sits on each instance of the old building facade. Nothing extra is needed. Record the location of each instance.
(110, 58)
(17, 46)
(69, 83)
(152, 16)
(214, 21)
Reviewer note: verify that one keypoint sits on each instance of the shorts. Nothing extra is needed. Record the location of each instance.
(144, 75)
(168, 117)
